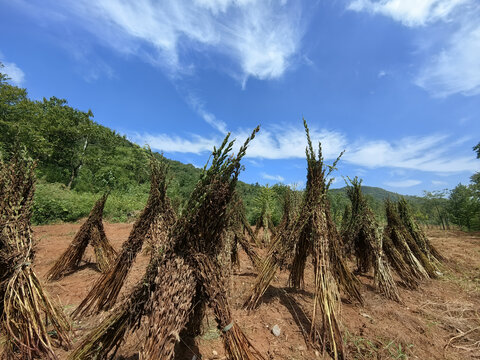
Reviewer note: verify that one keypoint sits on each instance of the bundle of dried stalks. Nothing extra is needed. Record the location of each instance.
(315, 199)
(347, 213)
(168, 312)
(313, 233)
(237, 229)
(416, 248)
(279, 255)
(91, 232)
(417, 233)
(237, 346)
(395, 233)
(397, 262)
(27, 315)
(154, 222)
(291, 204)
(189, 265)
(360, 233)
(347, 281)
(158, 232)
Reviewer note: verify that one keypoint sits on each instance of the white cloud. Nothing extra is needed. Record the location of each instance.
(456, 69)
(260, 37)
(409, 12)
(175, 144)
(439, 183)
(289, 142)
(285, 142)
(382, 73)
(434, 153)
(403, 183)
(16, 75)
(209, 118)
(428, 153)
(277, 178)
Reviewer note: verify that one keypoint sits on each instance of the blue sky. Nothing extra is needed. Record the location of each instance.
(396, 83)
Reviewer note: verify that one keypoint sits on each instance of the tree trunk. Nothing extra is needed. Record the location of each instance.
(76, 169)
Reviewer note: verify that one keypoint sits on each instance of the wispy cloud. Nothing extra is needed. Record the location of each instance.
(455, 67)
(403, 183)
(429, 153)
(433, 153)
(439, 183)
(174, 144)
(261, 38)
(382, 73)
(16, 75)
(211, 119)
(409, 12)
(285, 142)
(277, 178)
(288, 142)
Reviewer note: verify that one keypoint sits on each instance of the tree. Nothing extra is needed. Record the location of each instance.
(477, 149)
(437, 201)
(463, 206)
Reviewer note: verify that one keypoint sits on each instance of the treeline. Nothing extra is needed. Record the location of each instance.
(463, 205)
(78, 158)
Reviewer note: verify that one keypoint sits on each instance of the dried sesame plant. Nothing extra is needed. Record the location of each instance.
(184, 276)
(93, 233)
(153, 224)
(29, 320)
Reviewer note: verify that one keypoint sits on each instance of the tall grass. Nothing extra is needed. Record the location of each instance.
(54, 203)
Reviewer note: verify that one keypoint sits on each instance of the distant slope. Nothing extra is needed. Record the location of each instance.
(376, 193)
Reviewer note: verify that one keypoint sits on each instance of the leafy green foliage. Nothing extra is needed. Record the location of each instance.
(464, 207)
(53, 202)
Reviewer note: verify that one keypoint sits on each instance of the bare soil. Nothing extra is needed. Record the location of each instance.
(440, 320)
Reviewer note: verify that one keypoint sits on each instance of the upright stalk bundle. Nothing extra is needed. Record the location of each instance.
(156, 218)
(396, 235)
(417, 233)
(360, 233)
(278, 256)
(314, 236)
(313, 232)
(187, 271)
(347, 281)
(237, 229)
(91, 232)
(25, 309)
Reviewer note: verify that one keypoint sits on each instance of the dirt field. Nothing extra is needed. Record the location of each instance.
(423, 327)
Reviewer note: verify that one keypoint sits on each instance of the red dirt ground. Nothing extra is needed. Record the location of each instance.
(420, 328)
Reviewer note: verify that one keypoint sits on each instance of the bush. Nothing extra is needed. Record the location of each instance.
(55, 203)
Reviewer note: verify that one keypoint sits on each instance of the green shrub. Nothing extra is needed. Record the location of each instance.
(55, 203)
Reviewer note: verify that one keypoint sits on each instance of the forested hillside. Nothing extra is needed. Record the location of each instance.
(78, 159)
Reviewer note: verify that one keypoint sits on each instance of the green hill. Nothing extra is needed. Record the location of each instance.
(78, 159)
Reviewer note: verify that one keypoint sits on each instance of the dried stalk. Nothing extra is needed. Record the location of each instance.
(196, 235)
(25, 309)
(360, 233)
(154, 221)
(91, 232)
